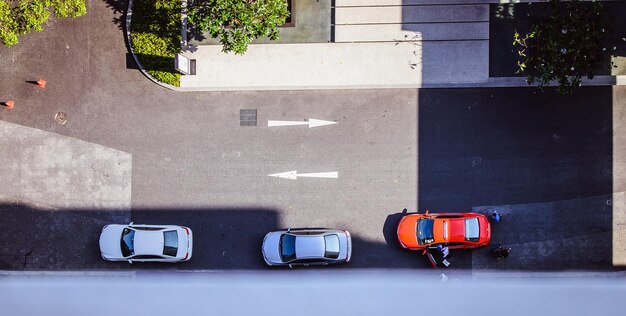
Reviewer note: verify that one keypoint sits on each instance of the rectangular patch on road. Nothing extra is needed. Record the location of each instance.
(247, 117)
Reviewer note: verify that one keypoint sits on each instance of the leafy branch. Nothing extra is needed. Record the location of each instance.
(238, 22)
(567, 46)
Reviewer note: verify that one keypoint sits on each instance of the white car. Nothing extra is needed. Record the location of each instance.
(307, 247)
(146, 243)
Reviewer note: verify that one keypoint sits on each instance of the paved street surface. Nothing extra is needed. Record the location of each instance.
(546, 160)
(543, 160)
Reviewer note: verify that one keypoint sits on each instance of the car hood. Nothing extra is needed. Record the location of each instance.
(110, 239)
(407, 231)
(271, 252)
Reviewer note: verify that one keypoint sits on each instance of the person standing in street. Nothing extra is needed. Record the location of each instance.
(444, 250)
(496, 217)
(500, 252)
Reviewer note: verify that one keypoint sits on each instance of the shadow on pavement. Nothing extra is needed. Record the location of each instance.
(37, 238)
(119, 8)
(546, 159)
(553, 236)
(34, 238)
(513, 146)
(390, 229)
(130, 62)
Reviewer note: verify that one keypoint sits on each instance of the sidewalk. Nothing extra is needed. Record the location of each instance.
(377, 44)
(372, 44)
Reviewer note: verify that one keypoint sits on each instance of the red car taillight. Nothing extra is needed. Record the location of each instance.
(187, 231)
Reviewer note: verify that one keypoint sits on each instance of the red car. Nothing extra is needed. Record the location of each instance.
(457, 230)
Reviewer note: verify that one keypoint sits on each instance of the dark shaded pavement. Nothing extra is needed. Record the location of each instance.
(543, 159)
(512, 145)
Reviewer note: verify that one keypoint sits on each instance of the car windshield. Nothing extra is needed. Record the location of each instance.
(171, 243)
(287, 247)
(425, 231)
(332, 246)
(128, 242)
(472, 232)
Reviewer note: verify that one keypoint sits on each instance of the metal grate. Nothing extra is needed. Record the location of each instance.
(247, 117)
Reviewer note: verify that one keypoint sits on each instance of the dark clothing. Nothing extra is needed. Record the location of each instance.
(499, 252)
(502, 253)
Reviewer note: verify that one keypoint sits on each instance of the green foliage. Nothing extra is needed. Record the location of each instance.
(238, 22)
(8, 25)
(156, 37)
(69, 8)
(18, 18)
(30, 15)
(569, 44)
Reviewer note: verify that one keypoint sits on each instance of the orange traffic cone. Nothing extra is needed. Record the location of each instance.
(41, 83)
(9, 104)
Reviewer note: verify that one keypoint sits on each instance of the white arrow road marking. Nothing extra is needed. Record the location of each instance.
(311, 122)
(330, 175)
(293, 175)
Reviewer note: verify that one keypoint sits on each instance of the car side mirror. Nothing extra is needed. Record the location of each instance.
(290, 265)
(130, 223)
(426, 212)
(130, 261)
(424, 252)
(289, 229)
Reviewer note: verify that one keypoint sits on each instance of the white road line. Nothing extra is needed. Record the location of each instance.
(293, 175)
(311, 122)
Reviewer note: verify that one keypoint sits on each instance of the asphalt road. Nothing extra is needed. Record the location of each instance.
(542, 159)
(194, 164)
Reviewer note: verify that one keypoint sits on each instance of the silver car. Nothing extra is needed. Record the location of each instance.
(306, 246)
(146, 243)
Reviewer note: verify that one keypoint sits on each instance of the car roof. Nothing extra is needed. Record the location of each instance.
(149, 242)
(311, 246)
(456, 228)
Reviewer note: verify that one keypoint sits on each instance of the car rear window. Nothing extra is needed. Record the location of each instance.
(332, 246)
(472, 231)
(171, 243)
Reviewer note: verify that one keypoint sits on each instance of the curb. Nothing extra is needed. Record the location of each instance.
(492, 82)
(129, 14)
(513, 82)
(475, 275)
(66, 274)
(486, 275)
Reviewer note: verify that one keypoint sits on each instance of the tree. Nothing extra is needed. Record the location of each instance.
(21, 17)
(238, 22)
(569, 44)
